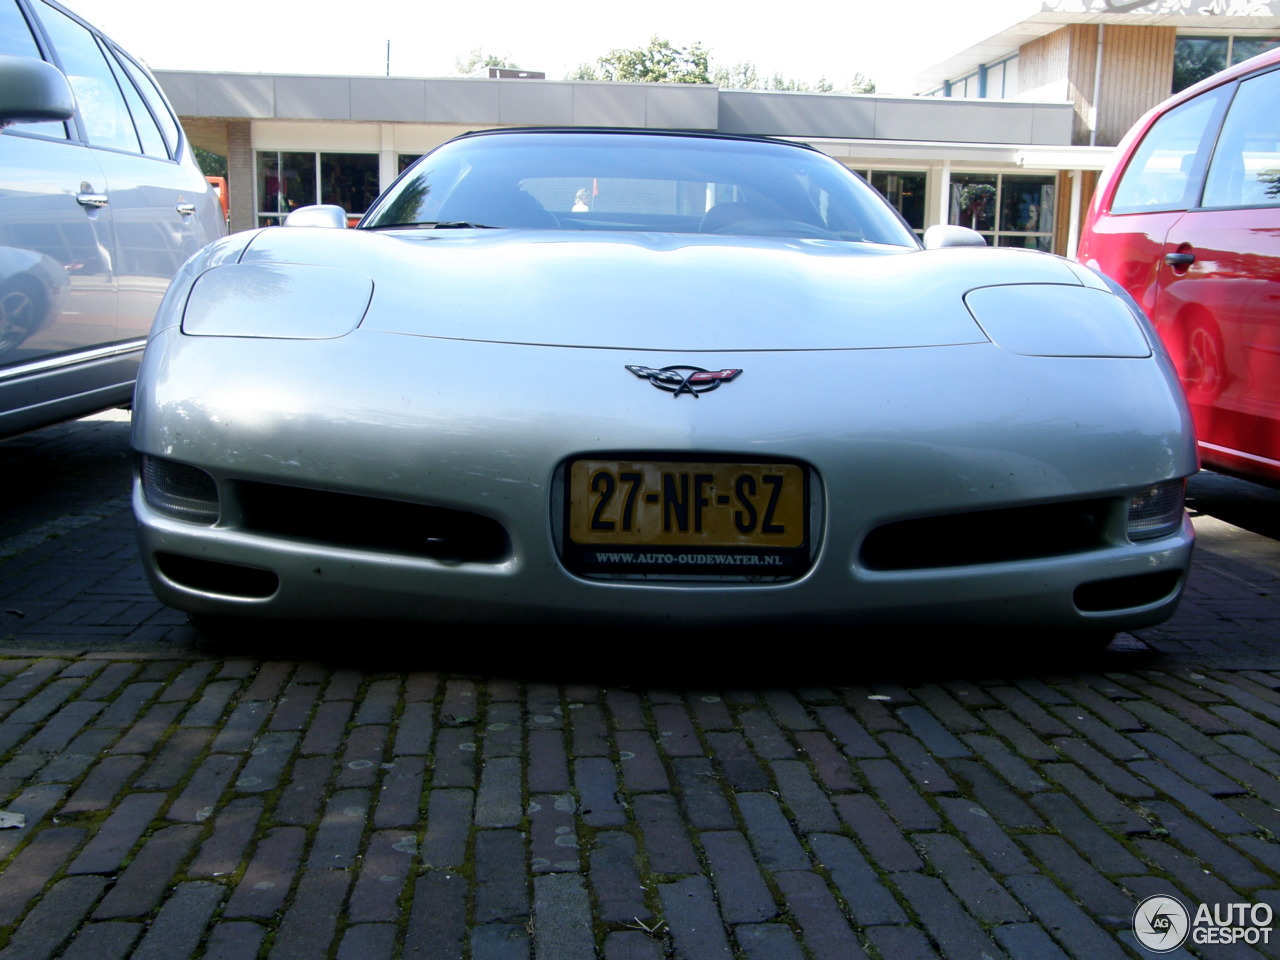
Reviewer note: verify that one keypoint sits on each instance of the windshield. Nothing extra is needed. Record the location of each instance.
(638, 182)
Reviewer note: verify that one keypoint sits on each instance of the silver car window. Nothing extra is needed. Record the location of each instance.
(159, 108)
(16, 40)
(102, 107)
(153, 144)
(15, 36)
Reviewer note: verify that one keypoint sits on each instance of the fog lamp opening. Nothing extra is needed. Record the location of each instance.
(179, 491)
(1157, 510)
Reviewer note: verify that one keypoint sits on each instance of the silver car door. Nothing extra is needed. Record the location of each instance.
(57, 277)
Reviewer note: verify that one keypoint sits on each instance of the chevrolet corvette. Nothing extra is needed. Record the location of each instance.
(607, 376)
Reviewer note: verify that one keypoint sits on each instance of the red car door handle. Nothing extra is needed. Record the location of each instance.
(1179, 259)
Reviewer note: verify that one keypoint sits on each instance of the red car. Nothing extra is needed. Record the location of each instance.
(1187, 219)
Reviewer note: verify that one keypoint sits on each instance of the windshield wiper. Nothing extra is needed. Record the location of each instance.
(435, 225)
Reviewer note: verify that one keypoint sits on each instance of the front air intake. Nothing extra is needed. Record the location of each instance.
(329, 518)
(214, 576)
(987, 536)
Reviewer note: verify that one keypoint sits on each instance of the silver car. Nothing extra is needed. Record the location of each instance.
(101, 201)
(634, 377)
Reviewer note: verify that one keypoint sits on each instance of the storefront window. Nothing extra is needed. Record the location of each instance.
(288, 180)
(1014, 210)
(350, 180)
(973, 201)
(905, 190)
(1026, 212)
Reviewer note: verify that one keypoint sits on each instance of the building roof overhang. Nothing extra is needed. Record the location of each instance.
(1026, 156)
(479, 103)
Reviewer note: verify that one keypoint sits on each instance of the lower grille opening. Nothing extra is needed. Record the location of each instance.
(1120, 593)
(213, 576)
(371, 523)
(987, 536)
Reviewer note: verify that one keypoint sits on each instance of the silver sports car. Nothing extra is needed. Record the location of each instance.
(628, 377)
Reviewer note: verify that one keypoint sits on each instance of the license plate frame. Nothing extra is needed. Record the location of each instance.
(687, 518)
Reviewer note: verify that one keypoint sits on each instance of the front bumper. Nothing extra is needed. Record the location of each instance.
(221, 571)
(890, 435)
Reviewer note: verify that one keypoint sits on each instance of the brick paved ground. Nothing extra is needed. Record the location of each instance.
(315, 801)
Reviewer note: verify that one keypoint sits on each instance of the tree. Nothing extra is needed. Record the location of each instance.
(860, 83)
(477, 58)
(745, 76)
(211, 164)
(664, 62)
(660, 62)
(741, 76)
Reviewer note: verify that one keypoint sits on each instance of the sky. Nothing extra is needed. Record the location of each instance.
(886, 40)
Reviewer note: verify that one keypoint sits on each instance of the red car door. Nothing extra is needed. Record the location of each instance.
(1218, 299)
(1188, 221)
(1218, 310)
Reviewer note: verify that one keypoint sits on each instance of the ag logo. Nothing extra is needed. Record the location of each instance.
(1161, 923)
(678, 379)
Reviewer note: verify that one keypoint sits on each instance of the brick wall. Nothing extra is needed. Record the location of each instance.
(240, 175)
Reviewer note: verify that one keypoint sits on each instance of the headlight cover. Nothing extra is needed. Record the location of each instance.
(1057, 320)
(284, 301)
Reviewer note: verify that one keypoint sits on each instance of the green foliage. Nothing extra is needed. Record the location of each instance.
(477, 59)
(664, 62)
(741, 76)
(584, 71)
(660, 62)
(211, 164)
(745, 76)
(861, 83)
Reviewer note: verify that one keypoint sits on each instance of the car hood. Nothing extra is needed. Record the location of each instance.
(671, 292)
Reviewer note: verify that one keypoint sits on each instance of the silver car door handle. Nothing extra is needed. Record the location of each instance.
(186, 209)
(1179, 259)
(95, 200)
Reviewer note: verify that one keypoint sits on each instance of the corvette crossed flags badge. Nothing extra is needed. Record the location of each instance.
(678, 379)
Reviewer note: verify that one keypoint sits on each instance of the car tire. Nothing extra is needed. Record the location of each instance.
(21, 308)
(1199, 358)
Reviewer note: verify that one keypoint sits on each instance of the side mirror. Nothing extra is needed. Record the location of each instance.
(949, 235)
(318, 215)
(32, 91)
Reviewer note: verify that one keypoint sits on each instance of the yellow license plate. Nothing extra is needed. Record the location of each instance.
(687, 505)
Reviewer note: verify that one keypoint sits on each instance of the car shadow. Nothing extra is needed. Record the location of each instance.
(688, 659)
(1240, 503)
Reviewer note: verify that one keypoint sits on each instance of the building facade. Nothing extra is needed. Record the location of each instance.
(1008, 138)
(1111, 59)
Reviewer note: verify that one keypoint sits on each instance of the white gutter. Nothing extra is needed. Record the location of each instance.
(1097, 88)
